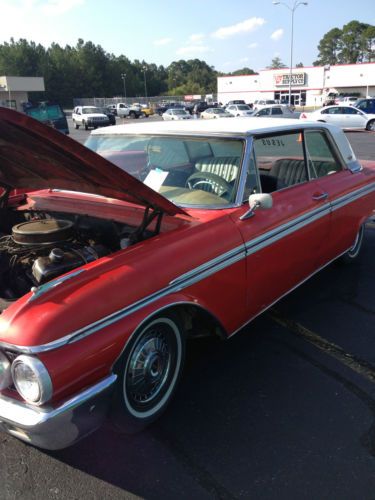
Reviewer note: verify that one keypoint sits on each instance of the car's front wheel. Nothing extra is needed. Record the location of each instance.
(149, 371)
(354, 251)
(76, 125)
(84, 123)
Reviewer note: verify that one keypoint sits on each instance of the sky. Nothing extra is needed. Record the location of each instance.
(227, 35)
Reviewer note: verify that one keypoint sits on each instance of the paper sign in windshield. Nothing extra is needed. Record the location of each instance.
(155, 179)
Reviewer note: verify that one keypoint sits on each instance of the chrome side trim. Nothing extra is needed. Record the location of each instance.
(286, 229)
(199, 273)
(42, 289)
(349, 198)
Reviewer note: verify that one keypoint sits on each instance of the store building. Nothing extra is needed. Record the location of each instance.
(14, 90)
(310, 85)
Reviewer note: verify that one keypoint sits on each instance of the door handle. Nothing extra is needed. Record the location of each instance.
(320, 196)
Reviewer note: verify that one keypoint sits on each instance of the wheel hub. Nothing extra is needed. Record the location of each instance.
(148, 369)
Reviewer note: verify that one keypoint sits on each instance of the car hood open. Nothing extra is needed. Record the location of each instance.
(35, 156)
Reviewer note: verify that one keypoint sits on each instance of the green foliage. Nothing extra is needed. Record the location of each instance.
(86, 70)
(354, 43)
(276, 63)
(243, 71)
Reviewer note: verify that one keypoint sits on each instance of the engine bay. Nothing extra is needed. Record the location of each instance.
(36, 247)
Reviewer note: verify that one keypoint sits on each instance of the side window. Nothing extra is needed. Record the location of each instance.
(321, 158)
(280, 161)
(277, 111)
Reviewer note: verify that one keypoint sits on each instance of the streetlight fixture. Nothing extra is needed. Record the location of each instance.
(292, 9)
(144, 77)
(123, 78)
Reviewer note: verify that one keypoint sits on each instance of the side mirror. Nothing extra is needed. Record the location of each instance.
(258, 200)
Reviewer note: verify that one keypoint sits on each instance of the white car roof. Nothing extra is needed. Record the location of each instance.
(228, 128)
(237, 126)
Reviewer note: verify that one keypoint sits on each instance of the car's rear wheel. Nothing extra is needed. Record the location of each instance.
(85, 125)
(149, 371)
(76, 126)
(352, 254)
(371, 125)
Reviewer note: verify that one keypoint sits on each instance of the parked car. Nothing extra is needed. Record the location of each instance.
(346, 101)
(275, 111)
(215, 113)
(191, 229)
(146, 110)
(347, 117)
(113, 108)
(50, 113)
(162, 108)
(176, 114)
(89, 117)
(239, 110)
(199, 107)
(264, 102)
(235, 101)
(110, 114)
(366, 105)
(125, 110)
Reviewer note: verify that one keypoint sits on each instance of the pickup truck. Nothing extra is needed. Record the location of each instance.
(133, 111)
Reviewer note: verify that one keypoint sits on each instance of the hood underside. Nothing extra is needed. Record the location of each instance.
(34, 156)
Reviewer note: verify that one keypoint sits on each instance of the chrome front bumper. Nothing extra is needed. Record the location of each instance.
(56, 428)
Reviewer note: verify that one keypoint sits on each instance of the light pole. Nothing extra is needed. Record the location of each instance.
(144, 76)
(123, 78)
(292, 9)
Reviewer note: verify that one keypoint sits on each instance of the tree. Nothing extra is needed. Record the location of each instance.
(299, 65)
(243, 71)
(368, 43)
(87, 70)
(354, 43)
(276, 63)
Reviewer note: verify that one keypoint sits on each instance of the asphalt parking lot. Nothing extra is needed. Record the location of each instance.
(284, 409)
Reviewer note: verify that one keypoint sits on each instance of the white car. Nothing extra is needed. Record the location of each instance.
(275, 111)
(239, 110)
(347, 117)
(176, 114)
(89, 117)
(212, 113)
(347, 101)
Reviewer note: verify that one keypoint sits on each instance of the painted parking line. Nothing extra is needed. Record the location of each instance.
(351, 361)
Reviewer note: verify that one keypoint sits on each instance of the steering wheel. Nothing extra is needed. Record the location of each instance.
(215, 184)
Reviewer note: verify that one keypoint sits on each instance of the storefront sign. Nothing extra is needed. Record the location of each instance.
(297, 79)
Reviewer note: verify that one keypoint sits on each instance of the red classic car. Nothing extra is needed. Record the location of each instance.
(104, 275)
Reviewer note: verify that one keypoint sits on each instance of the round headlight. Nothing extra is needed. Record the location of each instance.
(5, 372)
(31, 379)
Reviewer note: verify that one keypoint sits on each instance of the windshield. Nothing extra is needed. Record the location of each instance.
(243, 107)
(45, 112)
(179, 112)
(187, 171)
(87, 111)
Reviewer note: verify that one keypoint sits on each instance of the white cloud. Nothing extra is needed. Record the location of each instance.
(276, 35)
(162, 41)
(253, 45)
(196, 38)
(239, 28)
(244, 60)
(31, 20)
(191, 50)
(57, 7)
